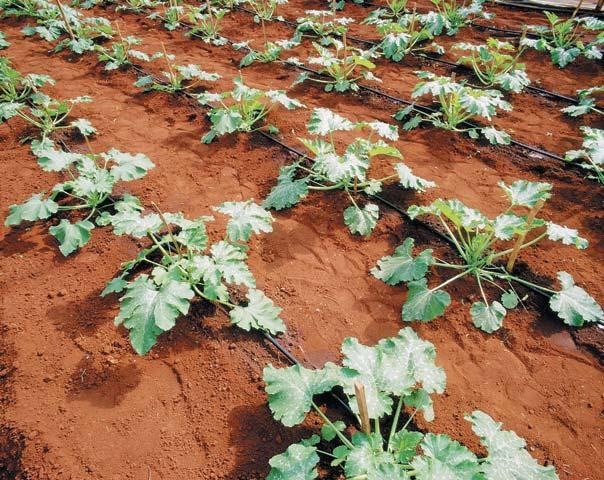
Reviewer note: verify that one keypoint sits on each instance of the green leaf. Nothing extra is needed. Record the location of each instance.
(36, 208)
(402, 266)
(115, 285)
(562, 57)
(329, 431)
(368, 460)
(291, 390)
(298, 462)
(420, 400)
(53, 160)
(507, 225)
(405, 444)
(144, 81)
(509, 299)
(568, 236)
(3, 42)
(323, 122)
(496, 137)
(128, 220)
(361, 221)
(573, 304)
(246, 217)
(224, 121)
(408, 180)
(445, 459)
(424, 304)
(259, 314)
(230, 260)
(525, 193)
(384, 130)
(508, 458)
(287, 193)
(279, 96)
(128, 167)
(395, 366)
(9, 109)
(71, 236)
(147, 310)
(487, 317)
(193, 233)
(337, 168)
(84, 126)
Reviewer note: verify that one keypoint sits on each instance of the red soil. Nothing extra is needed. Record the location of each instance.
(78, 403)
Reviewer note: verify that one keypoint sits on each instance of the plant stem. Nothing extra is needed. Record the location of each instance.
(394, 423)
(452, 279)
(344, 440)
(529, 222)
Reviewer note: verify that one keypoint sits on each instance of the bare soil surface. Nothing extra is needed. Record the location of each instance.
(78, 403)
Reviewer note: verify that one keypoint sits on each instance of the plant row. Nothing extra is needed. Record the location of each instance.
(180, 264)
(477, 238)
(341, 67)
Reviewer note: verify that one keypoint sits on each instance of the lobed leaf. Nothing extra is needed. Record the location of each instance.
(488, 318)
(361, 220)
(402, 266)
(71, 236)
(246, 218)
(573, 304)
(291, 390)
(35, 208)
(259, 314)
(424, 304)
(298, 462)
(147, 310)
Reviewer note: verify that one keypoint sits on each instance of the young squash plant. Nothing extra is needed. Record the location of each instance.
(495, 64)
(16, 89)
(591, 156)
(565, 40)
(451, 15)
(177, 78)
(270, 53)
(205, 23)
(83, 33)
(586, 104)
(379, 382)
(405, 37)
(271, 50)
(264, 10)
(85, 195)
(348, 171)
(136, 6)
(393, 12)
(21, 8)
(478, 240)
(181, 265)
(229, 4)
(245, 109)
(120, 53)
(458, 104)
(49, 115)
(172, 16)
(342, 68)
(321, 24)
